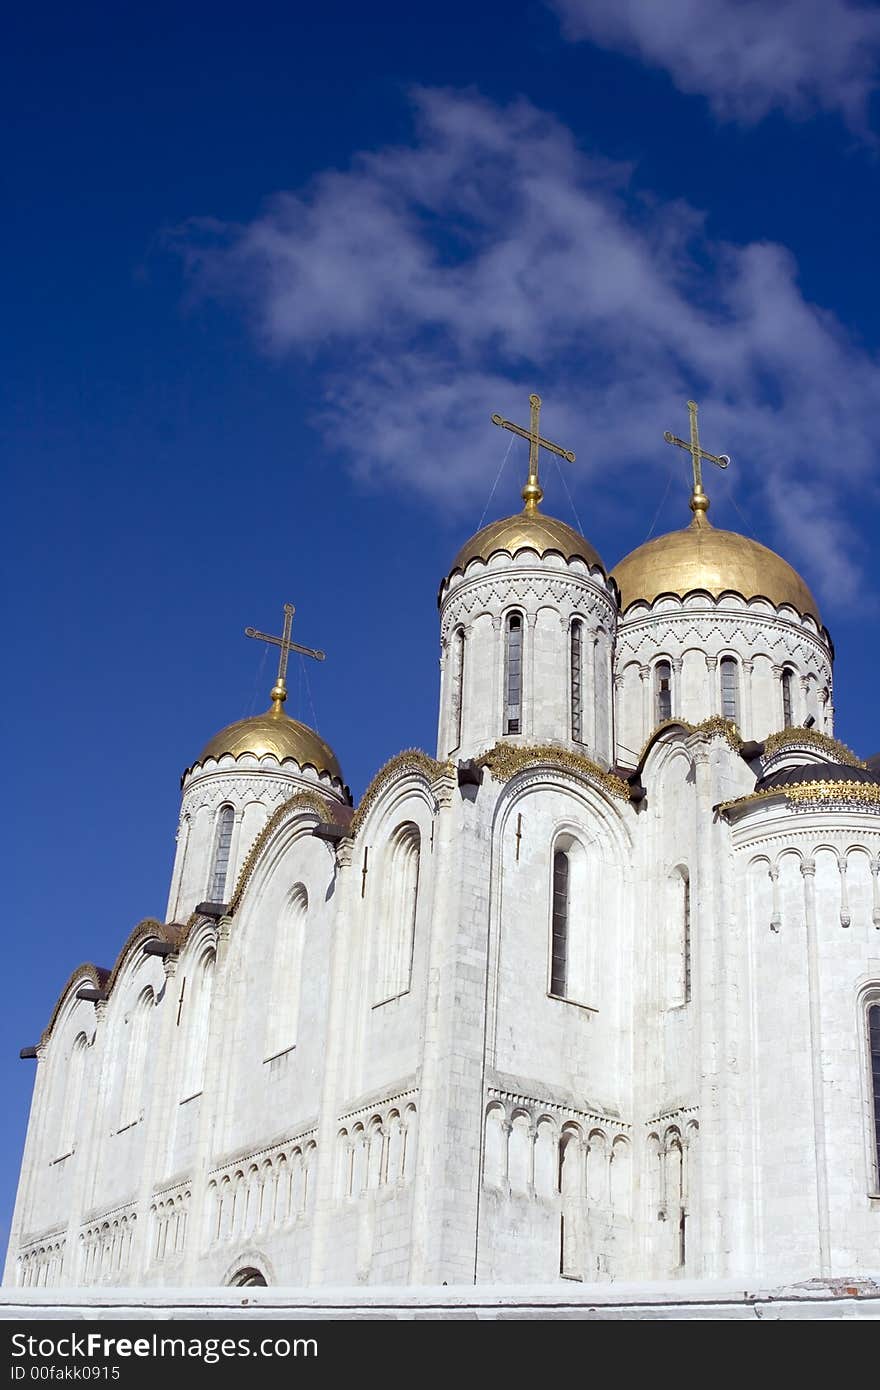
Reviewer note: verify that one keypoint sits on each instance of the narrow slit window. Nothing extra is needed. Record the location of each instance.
(663, 687)
(577, 654)
(686, 932)
(457, 686)
(729, 689)
(874, 1054)
(787, 702)
(221, 855)
(513, 676)
(559, 942)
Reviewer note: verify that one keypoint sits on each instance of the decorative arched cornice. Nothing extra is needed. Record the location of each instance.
(303, 802)
(97, 976)
(784, 738)
(411, 761)
(857, 795)
(149, 929)
(715, 727)
(505, 760)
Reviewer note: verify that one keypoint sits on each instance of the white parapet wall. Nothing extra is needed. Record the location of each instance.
(681, 1300)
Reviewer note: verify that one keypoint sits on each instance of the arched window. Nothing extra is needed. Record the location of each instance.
(73, 1087)
(457, 686)
(577, 658)
(678, 958)
(197, 1015)
(137, 1028)
(559, 941)
(248, 1279)
(281, 1025)
(729, 688)
(663, 690)
(396, 930)
(513, 649)
(222, 844)
(874, 1084)
(787, 697)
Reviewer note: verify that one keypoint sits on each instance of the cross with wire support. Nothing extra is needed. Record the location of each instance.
(279, 689)
(532, 493)
(699, 500)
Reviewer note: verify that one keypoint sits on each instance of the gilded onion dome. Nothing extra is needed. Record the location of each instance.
(529, 529)
(275, 733)
(703, 557)
(699, 557)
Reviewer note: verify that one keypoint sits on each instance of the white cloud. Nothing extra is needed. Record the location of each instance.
(747, 57)
(432, 284)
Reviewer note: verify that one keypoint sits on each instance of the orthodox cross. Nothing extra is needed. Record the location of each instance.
(518, 834)
(279, 690)
(364, 871)
(533, 492)
(180, 1000)
(699, 500)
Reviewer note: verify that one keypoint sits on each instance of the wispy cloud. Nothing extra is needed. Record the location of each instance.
(433, 283)
(747, 57)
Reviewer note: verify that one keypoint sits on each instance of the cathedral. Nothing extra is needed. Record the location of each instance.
(593, 994)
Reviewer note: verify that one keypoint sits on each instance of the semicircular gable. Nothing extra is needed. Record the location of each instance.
(88, 975)
(603, 810)
(301, 803)
(504, 761)
(149, 929)
(716, 725)
(411, 762)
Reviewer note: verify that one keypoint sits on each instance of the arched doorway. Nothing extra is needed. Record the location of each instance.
(248, 1278)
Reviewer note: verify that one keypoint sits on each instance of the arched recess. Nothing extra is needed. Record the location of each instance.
(136, 1044)
(394, 928)
(554, 804)
(250, 1269)
(572, 926)
(74, 1082)
(287, 960)
(198, 992)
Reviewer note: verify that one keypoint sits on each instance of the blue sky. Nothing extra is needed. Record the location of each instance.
(267, 274)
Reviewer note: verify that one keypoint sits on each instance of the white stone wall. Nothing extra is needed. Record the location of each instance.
(254, 788)
(549, 594)
(472, 1124)
(694, 635)
(811, 961)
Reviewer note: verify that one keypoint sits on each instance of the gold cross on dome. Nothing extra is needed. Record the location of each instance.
(279, 690)
(533, 492)
(699, 500)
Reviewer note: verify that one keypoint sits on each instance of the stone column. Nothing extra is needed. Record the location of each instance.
(527, 722)
(181, 839)
(714, 688)
(647, 712)
(747, 719)
(212, 1111)
(808, 870)
(496, 719)
(341, 988)
(33, 1150)
(442, 714)
(160, 1120)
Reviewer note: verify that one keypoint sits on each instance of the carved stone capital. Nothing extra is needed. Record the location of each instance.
(443, 789)
(344, 853)
(808, 868)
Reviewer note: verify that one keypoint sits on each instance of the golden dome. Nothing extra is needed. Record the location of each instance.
(701, 557)
(527, 529)
(274, 732)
